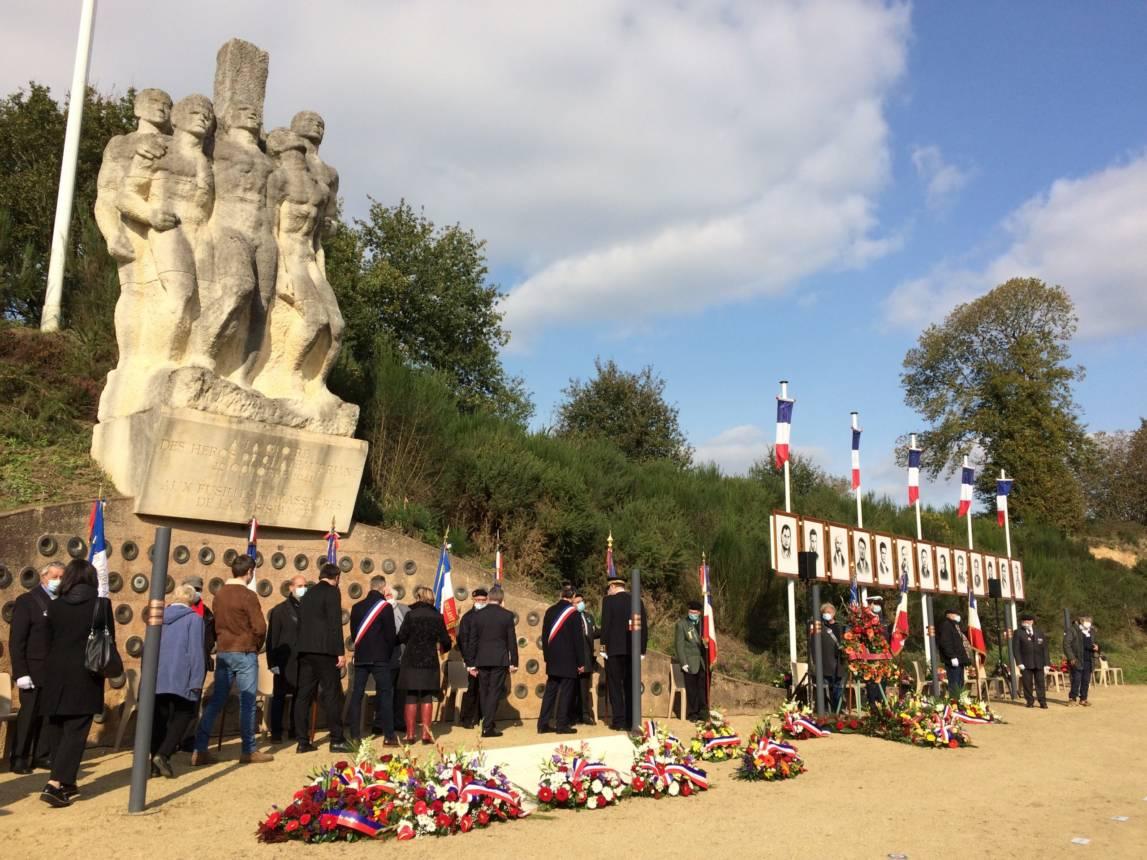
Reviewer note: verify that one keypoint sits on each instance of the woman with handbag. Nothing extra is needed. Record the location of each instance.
(81, 654)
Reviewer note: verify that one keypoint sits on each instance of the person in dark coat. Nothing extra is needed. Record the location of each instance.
(615, 612)
(692, 652)
(471, 709)
(322, 654)
(372, 626)
(1080, 649)
(581, 708)
(1029, 647)
(283, 657)
(492, 649)
(423, 636)
(954, 651)
(72, 694)
(563, 646)
(831, 656)
(179, 680)
(28, 648)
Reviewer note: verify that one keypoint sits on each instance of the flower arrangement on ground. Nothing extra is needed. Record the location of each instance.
(918, 720)
(661, 766)
(866, 648)
(970, 710)
(768, 759)
(797, 722)
(571, 778)
(375, 797)
(715, 739)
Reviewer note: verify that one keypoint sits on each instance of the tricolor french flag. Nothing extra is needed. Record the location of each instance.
(332, 538)
(967, 479)
(708, 620)
(498, 564)
(913, 475)
(253, 539)
(784, 427)
(975, 632)
(610, 568)
(856, 458)
(444, 600)
(1003, 490)
(900, 626)
(98, 547)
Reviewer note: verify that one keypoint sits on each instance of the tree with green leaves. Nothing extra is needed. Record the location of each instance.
(425, 289)
(628, 409)
(994, 379)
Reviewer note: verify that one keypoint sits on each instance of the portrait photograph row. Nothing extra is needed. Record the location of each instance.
(880, 559)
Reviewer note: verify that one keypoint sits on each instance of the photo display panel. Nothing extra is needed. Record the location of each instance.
(945, 581)
(1005, 575)
(885, 560)
(785, 544)
(862, 557)
(838, 553)
(925, 566)
(813, 540)
(1017, 579)
(976, 565)
(960, 570)
(906, 561)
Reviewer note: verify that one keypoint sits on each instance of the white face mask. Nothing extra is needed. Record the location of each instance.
(196, 598)
(1086, 625)
(876, 607)
(1028, 628)
(955, 618)
(581, 606)
(53, 586)
(300, 591)
(827, 617)
(479, 605)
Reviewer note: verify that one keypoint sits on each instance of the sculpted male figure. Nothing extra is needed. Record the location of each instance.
(233, 309)
(168, 200)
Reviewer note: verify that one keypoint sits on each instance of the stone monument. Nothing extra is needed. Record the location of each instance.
(227, 327)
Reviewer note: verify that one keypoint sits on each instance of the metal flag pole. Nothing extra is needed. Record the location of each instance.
(149, 671)
(53, 296)
(971, 546)
(635, 646)
(926, 603)
(1013, 621)
(859, 506)
(791, 589)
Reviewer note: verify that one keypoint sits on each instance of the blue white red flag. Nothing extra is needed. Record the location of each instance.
(610, 569)
(853, 594)
(98, 546)
(856, 458)
(784, 426)
(1003, 490)
(332, 538)
(900, 626)
(444, 591)
(975, 631)
(253, 539)
(967, 479)
(913, 475)
(498, 564)
(708, 620)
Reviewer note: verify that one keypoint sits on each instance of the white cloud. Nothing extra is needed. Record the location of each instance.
(942, 181)
(1088, 235)
(736, 449)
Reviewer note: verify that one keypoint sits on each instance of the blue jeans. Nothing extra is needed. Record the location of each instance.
(242, 668)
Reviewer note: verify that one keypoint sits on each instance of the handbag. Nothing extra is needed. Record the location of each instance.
(100, 656)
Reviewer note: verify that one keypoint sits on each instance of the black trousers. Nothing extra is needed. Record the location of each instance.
(491, 685)
(69, 735)
(399, 695)
(696, 696)
(556, 702)
(1030, 678)
(173, 714)
(472, 709)
(619, 680)
(383, 698)
(581, 704)
(30, 740)
(280, 689)
(319, 672)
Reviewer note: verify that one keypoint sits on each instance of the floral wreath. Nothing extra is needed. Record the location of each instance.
(715, 739)
(661, 766)
(573, 779)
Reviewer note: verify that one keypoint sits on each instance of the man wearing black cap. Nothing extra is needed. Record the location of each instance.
(1029, 647)
(471, 704)
(691, 652)
(615, 621)
(563, 646)
(954, 649)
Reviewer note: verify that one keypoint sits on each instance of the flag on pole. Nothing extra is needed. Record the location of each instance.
(1003, 490)
(332, 538)
(975, 632)
(900, 627)
(967, 479)
(856, 458)
(913, 475)
(708, 620)
(610, 569)
(253, 539)
(498, 564)
(98, 546)
(444, 591)
(784, 425)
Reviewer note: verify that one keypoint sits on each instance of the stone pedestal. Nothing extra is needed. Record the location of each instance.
(195, 465)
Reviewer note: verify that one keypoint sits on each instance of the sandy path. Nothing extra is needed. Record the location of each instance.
(1028, 788)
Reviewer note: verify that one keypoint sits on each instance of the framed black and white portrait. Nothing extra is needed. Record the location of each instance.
(862, 557)
(906, 562)
(925, 566)
(1017, 579)
(990, 572)
(945, 581)
(885, 560)
(838, 554)
(976, 566)
(1005, 574)
(960, 571)
(785, 544)
(813, 540)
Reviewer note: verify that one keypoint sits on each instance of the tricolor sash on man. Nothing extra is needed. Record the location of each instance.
(98, 546)
(913, 475)
(967, 480)
(784, 426)
(370, 618)
(856, 458)
(1003, 490)
(900, 626)
(560, 622)
(444, 600)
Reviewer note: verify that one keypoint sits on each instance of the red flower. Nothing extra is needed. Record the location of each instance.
(953, 743)
(483, 817)
(420, 807)
(292, 826)
(437, 806)
(442, 821)
(686, 790)
(562, 794)
(854, 724)
(328, 822)
(637, 783)
(420, 793)
(839, 725)
(305, 819)
(545, 794)
(466, 824)
(273, 820)
(341, 765)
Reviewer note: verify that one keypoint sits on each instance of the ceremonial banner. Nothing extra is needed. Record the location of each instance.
(855, 458)
(1003, 490)
(967, 479)
(784, 426)
(975, 631)
(98, 547)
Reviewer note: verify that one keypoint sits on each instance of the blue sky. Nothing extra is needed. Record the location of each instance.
(732, 191)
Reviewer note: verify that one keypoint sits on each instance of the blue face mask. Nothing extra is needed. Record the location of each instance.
(53, 586)
(479, 605)
(694, 617)
(581, 606)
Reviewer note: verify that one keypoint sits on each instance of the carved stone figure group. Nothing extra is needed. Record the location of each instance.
(217, 234)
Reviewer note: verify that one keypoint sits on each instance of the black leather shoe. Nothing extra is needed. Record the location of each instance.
(42, 764)
(275, 739)
(340, 747)
(545, 730)
(493, 733)
(305, 747)
(22, 767)
(163, 766)
(569, 730)
(56, 797)
(70, 790)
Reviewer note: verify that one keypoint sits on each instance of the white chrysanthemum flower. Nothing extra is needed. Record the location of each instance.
(674, 789)
(595, 786)
(607, 793)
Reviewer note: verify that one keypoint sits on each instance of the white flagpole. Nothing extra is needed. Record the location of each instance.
(792, 586)
(860, 509)
(1013, 621)
(923, 597)
(53, 297)
(981, 660)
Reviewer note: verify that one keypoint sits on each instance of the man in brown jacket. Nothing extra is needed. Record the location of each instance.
(239, 633)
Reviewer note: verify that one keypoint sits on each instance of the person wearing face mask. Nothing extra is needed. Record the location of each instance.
(1029, 647)
(282, 656)
(691, 654)
(203, 611)
(581, 707)
(831, 657)
(954, 650)
(471, 713)
(1080, 648)
(372, 626)
(492, 648)
(28, 641)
